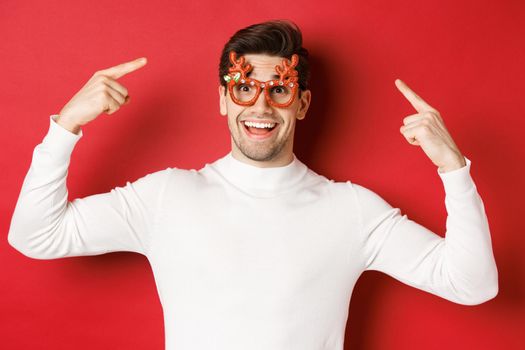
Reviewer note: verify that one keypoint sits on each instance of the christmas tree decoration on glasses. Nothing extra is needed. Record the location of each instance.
(245, 91)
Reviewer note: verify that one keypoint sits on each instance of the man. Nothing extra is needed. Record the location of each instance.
(255, 250)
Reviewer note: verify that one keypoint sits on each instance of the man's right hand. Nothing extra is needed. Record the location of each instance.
(101, 94)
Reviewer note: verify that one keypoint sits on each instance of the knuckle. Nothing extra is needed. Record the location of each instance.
(122, 92)
(101, 88)
(99, 74)
(435, 114)
(425, 130)
(426, 122)
(114, 109)
(103, 96)
(99, 79)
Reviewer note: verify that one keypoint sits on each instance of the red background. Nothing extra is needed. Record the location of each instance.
(464, 57)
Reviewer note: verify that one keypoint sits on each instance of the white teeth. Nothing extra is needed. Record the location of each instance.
(259, 125)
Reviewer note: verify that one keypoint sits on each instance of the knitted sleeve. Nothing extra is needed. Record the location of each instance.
(459, 267)
(45, 225)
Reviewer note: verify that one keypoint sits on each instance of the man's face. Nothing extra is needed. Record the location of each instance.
(262, 146)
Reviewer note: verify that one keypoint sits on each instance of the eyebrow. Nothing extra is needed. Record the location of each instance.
(275, 76)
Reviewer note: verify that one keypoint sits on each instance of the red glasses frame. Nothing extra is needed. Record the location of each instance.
(288, 77)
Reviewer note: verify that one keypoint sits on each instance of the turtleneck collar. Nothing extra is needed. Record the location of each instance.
(260, 182)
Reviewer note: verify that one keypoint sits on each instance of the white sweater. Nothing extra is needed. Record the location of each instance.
(255, 258)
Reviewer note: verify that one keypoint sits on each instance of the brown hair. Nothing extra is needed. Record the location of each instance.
(281, 38)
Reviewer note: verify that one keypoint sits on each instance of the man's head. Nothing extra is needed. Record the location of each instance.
(262, 47)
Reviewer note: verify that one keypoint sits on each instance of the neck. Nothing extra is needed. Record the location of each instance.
(281, 160)
(260, 181)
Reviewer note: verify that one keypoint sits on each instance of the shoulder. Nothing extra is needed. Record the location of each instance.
(161, 178)
(347, 188)
(370, 201)
(359, 195)
(340, 193)
(181, 176)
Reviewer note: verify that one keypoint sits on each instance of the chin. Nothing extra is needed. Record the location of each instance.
(260, 155)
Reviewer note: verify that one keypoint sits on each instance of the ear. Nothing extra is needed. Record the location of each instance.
(304, 103)
(222, 101)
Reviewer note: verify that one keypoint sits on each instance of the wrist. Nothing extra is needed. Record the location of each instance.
(456, 164)
(67, 124)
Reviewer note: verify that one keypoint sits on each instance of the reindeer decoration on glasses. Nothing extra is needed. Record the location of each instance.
(245, 91)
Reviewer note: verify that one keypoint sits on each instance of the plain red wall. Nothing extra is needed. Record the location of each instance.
(465, 58)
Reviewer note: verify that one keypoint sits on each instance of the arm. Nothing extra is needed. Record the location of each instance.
(459, 267)
(46, 226)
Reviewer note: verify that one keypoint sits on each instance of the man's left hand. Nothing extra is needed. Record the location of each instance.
(426, 129)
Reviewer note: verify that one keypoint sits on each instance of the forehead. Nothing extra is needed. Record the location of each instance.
(263, 66)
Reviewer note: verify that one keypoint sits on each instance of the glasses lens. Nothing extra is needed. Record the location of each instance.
(244, 92)
(281, 94)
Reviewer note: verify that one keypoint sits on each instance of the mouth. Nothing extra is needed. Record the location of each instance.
(260, 129)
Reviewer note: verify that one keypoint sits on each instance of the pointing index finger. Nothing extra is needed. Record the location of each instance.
(122, 69)
(417, 102)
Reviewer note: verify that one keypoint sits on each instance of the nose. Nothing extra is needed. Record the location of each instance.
(261, 106)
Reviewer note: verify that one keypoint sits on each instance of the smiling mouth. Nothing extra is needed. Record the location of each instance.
(259, 130)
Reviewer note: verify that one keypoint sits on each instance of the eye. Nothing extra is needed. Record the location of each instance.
(243, 88)
(279, 90)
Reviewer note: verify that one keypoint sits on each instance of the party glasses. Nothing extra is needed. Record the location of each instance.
(245, 91)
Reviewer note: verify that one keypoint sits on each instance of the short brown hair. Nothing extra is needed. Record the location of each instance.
(281, 38)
